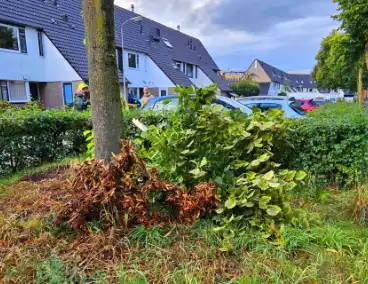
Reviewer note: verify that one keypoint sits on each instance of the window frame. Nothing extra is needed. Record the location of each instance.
(41, 50)
(167, 42)
(18, 39)
(7, 90)
(25, 51)
(17, 101)
(187, 70)
(119, 59)
(136, 61)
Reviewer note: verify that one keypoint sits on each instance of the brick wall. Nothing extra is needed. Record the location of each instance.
(171, 91)
(51, 94)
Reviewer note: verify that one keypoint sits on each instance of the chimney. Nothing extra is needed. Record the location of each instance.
(178, 27)
(132, 7)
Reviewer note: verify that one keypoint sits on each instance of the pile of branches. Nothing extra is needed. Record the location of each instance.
(125, 193)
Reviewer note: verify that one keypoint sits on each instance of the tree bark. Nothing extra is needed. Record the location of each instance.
(103, 76)
(366, 55)
(360, 81)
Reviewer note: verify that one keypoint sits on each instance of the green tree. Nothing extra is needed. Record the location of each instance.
(336, 63)
(246, 87)
(354, 20)
(103, 76)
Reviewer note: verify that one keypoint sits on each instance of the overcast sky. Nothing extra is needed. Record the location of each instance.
(284, 33)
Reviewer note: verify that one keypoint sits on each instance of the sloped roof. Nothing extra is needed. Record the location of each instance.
(282, 77)
(67, 36)
(303, 80)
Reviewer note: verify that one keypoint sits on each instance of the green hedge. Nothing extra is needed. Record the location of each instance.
(30, 137)
(332, 141)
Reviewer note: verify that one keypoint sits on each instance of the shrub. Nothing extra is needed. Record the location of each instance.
(246, 87)
(332, 141)
(30, 137)
(205, 143)
(125, 193)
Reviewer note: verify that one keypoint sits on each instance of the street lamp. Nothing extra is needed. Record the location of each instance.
(134, 20)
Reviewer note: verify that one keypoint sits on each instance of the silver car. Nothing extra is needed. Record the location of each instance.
(289, 105)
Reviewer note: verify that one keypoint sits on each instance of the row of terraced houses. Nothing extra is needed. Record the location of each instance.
(42, 55)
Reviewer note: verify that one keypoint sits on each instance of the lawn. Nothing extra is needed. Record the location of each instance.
(34, 250)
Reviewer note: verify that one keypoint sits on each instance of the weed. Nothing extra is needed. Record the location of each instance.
(151, 237)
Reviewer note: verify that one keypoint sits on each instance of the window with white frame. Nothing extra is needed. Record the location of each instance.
(190, 70)
(4, 91)
(133, 60)
(178, 65)
(277, 85)
(12, 38)
(17, 92)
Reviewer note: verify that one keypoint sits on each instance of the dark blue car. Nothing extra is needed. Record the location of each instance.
(171, 102)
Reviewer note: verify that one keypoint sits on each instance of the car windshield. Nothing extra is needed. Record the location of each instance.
(236, 105)
(313, 103)
(166, 104)
(296, 106)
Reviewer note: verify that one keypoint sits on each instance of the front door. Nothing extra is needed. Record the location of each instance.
(68, 93)
(33, 88)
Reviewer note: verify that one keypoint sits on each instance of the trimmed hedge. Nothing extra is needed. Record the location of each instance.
(30, 137)
(332, 141)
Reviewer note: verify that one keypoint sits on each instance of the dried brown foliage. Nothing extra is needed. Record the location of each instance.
(360, 213)
(125, 193)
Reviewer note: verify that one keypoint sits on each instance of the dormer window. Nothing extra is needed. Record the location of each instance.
(167, 42)
(190, 70)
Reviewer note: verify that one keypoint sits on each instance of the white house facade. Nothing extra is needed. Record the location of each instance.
(31, 67)
(42, 55)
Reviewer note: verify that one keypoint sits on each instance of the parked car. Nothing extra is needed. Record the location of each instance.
(171, 102)
(307, 104)
(289, 105)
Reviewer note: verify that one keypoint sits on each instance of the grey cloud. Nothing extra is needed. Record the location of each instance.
(286, 33)
(258, 16)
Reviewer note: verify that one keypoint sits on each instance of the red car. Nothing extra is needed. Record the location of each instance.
(307, 104)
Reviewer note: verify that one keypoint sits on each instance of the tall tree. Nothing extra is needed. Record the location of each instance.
(103, 76)
(354, 20)
(337, 63)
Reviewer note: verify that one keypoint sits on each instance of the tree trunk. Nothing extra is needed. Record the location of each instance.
(103, 77)
(366, 55)
(360, 81)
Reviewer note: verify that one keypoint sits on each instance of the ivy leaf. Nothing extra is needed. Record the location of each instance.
(269, 175)
(197, 173)
(290, 175)
(251, 175)
(300, 176)
(203, 162)
(230, 203)
(273, 210)
(220, 210)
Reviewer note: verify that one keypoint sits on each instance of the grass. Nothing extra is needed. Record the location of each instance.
(33, 250)
(6, 180)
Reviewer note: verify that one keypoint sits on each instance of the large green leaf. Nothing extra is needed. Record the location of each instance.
(300, 175)
(230, 203)
(273, 210)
